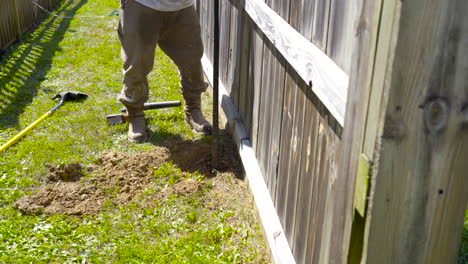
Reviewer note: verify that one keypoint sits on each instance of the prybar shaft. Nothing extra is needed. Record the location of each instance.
(215, 146)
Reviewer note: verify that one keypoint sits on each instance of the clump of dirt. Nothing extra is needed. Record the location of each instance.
(67, 173)
(120, 179)
(186, 186)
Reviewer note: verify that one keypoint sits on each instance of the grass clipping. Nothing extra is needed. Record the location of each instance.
(119, 179)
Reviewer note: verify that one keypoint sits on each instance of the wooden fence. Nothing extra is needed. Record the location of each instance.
(293, 110)
(306, 86)
(17, 16)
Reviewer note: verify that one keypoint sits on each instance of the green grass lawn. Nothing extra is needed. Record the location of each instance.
(84, 54)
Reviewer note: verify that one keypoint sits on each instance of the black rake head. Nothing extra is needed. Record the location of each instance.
(70, 96)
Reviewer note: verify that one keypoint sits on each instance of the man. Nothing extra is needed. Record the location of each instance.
(175, 27)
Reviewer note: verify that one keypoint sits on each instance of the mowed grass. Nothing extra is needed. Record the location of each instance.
(83, 54)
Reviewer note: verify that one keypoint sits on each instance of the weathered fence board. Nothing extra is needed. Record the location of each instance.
(306, 179)
(287, 148)
(257, 78)
(341, 35)
(320, 24)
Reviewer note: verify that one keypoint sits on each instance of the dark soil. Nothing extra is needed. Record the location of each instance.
(119, 179)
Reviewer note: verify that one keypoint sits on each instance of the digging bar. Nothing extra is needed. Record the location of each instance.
(215, 145)
(122, 118)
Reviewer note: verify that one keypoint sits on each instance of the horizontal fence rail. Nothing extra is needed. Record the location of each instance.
(327, 80)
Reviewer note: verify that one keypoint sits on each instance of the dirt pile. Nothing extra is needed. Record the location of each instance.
(116, 178)
(120, 179)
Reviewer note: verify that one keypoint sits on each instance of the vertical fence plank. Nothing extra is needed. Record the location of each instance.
(257, 62)
(225, 27)
(320, 25)
(19, 27)
(343, 16)
(279, 76)
(306, 181)
(265, 115)
(295, 151)
(313, 235)
(284, 166)
(234, 51)
(246, 92)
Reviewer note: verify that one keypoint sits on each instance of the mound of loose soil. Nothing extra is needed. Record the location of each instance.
(120, 179)
(117, 178)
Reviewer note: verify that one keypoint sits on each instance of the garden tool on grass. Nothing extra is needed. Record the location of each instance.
(64, 97)
(123, 118)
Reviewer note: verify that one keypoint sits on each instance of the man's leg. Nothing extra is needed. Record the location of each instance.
(138, 33)
(181, 41)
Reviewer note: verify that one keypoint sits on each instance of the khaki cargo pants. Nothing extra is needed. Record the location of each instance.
(177, 33)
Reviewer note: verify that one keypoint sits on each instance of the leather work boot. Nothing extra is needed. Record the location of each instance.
(193, 115)
(136, 124)
(197, 121)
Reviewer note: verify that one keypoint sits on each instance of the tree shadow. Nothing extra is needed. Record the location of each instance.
(25, 66)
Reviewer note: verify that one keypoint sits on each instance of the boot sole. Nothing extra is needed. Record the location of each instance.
(138, 140)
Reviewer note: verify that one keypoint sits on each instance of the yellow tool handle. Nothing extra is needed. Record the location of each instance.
(22, 133)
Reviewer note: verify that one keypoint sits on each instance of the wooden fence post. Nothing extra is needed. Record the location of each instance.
(419, 193)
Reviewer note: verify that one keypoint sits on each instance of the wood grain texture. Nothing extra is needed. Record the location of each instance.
(278, 87)
(420, 194)
(276, 117)
(306, 192)
(244, 68)
(264, 114)
(295, 151)
(286, 164)
(330, 83)
(234, 51)
(314, 236)
(225, 34)
(321, 19)
(361, 74)
(257, 78)
(340, 42)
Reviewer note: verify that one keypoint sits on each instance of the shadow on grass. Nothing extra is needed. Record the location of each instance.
(26, 65)
(196, 155)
